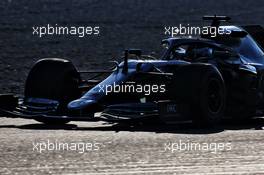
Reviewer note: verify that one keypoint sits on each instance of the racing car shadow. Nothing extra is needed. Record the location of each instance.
(184, 128)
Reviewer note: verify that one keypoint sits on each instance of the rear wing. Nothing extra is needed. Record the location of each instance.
(257, 33)
(216, 20)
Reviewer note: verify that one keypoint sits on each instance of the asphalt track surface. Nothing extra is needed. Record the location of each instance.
(122, 149)
(130, 150)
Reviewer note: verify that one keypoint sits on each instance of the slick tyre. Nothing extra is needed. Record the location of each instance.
(210, 102)
(55, 79)
(205, 90)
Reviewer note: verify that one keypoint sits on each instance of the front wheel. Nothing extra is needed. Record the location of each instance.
(55, 79)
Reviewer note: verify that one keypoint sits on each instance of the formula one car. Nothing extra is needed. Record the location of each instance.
(199, 79)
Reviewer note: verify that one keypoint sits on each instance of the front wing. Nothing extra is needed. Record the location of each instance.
(15, 107)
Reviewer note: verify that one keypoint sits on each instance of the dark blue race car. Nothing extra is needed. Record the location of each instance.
(201, 79)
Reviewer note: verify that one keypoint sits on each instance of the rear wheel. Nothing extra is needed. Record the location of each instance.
(55, 79)
(208, 106)
(203, 88)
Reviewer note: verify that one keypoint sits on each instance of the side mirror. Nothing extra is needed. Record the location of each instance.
(136, 52)
(224, 54)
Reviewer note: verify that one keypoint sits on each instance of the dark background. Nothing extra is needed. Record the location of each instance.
(123, 24)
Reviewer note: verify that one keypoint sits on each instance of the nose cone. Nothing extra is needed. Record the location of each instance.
(80, 104)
